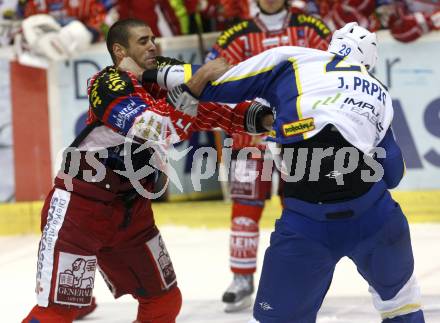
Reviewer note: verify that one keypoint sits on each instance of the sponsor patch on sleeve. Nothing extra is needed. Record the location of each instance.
(298, 127)
(123, 114)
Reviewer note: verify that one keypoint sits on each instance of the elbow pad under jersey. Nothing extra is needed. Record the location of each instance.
(393, 164)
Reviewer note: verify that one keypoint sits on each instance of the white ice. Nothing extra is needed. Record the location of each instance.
(200, 258)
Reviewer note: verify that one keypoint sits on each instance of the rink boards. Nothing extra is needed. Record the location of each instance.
(24, 217)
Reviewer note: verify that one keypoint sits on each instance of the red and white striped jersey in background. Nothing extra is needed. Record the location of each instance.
(410, 20)
(253, 36)
(406, 20)
(92, 13)
(338, 13)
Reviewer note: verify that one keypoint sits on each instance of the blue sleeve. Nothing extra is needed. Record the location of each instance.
(393, 164)
(237, 90)
(254, 77)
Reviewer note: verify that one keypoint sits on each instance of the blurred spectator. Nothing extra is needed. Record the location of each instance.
(9, 23)
(337, 13)
(235, 11)
(59, 29)
(94, 14)
(409, 20)
(147, 11)
(179, 17)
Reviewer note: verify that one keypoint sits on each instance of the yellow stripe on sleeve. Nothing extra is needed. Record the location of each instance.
(187, 72)
(299, 90)
(240, 77)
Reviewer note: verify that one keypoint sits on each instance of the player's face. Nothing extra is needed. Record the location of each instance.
(141, 47)
(271, 6)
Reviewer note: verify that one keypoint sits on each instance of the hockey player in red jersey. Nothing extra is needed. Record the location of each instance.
(59, 29)
(275, 25)
(338, 13)
(97, 213)
(409, 20)
(92, 13)
(406, 20)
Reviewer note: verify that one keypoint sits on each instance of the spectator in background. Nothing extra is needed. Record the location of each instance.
(337, 13)
(9, 21)
(146, 11)
(235, 11)
(409, 20)
(406, 20)
(275, 25)
(92, 13)
(179, 17)
(57, 29)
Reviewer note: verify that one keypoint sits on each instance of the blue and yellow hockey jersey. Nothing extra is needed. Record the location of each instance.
(309, 89)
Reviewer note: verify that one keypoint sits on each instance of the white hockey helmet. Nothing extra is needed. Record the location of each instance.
(356, 42)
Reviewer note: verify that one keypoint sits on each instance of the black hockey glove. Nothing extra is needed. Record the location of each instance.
(253, 121)
(149, 76)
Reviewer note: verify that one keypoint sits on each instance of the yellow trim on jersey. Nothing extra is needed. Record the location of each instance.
(409, 308)
(240, 77)
(299, 90)
(187, 72)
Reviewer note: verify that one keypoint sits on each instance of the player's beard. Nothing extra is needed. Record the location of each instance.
(148, 63)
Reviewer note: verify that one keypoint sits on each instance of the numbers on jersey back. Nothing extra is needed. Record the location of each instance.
(332, 66)
(344, 51)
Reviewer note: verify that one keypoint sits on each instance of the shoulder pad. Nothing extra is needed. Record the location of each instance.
(311, 21)
(161, 61)
(108, 86)
(242, 28)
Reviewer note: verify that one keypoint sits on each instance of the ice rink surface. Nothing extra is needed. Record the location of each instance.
(200, 258)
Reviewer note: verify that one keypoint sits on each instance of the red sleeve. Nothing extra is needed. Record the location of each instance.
(234, 52)
(235, 9)
(142, 10)
(409, 27)
(93, 15)
(155, 90)
(317, 41)
(213, 115)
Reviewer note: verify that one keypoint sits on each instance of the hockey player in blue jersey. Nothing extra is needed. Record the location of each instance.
(332, 118)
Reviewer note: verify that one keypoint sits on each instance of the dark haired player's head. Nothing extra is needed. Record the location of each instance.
(132, 38)
(272, 7)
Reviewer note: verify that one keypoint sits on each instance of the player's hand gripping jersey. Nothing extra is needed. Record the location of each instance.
(119, 102)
